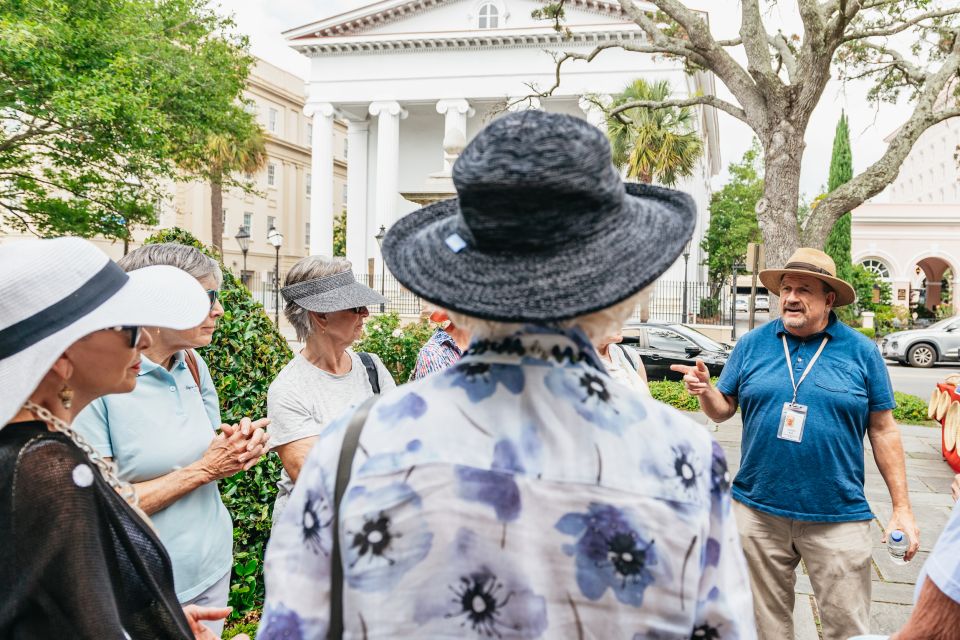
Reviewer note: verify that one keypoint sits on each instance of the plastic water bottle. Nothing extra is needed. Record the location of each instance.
(897, 544)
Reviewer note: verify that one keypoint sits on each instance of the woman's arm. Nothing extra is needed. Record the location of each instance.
(227, 454)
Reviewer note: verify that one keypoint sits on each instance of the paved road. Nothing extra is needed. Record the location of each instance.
(919, 382)
(929, 480)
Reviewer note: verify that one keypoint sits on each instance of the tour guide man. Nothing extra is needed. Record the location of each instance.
(809, 388)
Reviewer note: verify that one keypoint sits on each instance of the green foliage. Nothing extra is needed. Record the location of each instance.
(653, 144)
(397, 347)
(340, 235)
(733, 219)
(233, 630)
(709, 307)
(870, 332)
(102, 100)
(245, 356)
(841, 171)
(910, 409)
(673, 393)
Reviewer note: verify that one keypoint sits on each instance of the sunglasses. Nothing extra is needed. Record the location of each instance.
(357, 310)
(134, 333)
(214, 295)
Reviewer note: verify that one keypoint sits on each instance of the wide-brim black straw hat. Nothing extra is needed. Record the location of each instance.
(543, 228)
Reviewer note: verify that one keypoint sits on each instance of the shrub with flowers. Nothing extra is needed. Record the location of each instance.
(397, 346)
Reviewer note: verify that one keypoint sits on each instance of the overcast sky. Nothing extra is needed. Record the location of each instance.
(264, 20)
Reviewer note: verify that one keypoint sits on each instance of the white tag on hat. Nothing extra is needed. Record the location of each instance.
(456, 243)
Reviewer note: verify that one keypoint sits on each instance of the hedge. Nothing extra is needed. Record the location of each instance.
(910, 409)
(870, 332)
(245, 356)
(397, 346)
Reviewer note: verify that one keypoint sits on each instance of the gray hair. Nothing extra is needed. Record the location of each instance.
(181, 256)
(309, 268)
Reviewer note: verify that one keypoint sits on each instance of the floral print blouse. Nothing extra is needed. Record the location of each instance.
(520, 493)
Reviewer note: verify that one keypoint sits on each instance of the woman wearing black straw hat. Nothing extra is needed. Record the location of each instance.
(79, 559)
(521, 493)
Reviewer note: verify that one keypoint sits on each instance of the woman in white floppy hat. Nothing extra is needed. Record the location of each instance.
(79, 560)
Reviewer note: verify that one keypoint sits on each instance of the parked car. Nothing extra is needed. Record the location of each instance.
(940, 342)
(762, 303)
(660, 345)
(743, 303)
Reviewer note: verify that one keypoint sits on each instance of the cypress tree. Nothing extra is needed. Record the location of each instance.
(841, 171)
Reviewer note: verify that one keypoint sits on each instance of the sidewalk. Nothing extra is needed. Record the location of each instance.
(929, 479)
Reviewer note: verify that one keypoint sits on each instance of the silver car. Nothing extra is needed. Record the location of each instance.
(940, 342)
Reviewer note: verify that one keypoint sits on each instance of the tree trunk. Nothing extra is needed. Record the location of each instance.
(777, 209)
(216, 214)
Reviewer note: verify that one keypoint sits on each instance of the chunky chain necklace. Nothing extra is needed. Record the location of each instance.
(108, 469)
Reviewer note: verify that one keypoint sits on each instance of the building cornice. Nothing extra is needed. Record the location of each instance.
(466, 40)
(387, 11)
(261, 86)
(909, 213)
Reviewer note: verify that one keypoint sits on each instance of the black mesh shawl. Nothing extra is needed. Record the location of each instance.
(75, 561)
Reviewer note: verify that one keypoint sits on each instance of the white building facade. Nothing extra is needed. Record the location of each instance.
(416, 79)
(910, 233)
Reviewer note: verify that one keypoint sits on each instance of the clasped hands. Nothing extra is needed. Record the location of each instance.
(237, 447)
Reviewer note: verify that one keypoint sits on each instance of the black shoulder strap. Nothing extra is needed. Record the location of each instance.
(371, 368)
(628, 356)
(347, 452)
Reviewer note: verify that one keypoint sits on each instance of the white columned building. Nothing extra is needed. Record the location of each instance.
(415, 80)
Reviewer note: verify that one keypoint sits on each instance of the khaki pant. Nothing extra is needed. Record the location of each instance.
(837, 557)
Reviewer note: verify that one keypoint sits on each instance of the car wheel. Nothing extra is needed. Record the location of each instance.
(922, 355)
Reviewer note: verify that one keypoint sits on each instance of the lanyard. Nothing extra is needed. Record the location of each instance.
(786, 352)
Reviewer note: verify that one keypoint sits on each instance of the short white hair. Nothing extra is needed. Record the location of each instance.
(596, 325)
(182, 256)
(309, 268)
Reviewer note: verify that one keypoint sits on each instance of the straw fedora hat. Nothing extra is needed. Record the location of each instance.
(950, 426)
(934, 401)
(54, 292)
(942, 405)
(953, 378)
(815, 263)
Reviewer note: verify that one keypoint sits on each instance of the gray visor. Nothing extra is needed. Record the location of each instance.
(332, 293)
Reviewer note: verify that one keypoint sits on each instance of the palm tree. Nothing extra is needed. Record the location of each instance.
(653, 144)
(226, 154)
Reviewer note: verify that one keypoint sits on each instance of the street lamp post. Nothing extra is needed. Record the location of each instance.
(275, 238)
(383, 267)
(735, 268)
(686, 261)
(243, 239)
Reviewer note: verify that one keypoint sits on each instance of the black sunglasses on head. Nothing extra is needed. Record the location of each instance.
(133, 331)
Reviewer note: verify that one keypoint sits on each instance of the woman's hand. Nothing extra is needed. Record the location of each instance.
(196, 614)
(256, 439)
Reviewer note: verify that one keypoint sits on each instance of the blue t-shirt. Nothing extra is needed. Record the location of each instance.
(167, 423)
(819, 479)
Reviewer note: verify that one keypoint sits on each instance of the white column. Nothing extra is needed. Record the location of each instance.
(455, 114)
(388, 114)
(595, 112)
(321, 183)
(358, 233)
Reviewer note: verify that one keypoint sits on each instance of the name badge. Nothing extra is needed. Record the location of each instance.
(792, 420)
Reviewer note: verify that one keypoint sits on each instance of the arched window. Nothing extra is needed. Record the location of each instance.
(877, 268)
(488, 16)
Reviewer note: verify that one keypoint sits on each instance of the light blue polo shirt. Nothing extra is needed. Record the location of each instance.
(819, 479)
(167, 423)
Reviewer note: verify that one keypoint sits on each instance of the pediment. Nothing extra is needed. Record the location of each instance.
(396, 17)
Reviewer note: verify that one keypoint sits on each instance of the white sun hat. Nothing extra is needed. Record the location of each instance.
(54, 292)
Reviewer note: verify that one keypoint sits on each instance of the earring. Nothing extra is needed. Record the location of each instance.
(66, 396)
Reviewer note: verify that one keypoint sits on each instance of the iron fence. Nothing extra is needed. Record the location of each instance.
(705, 305)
